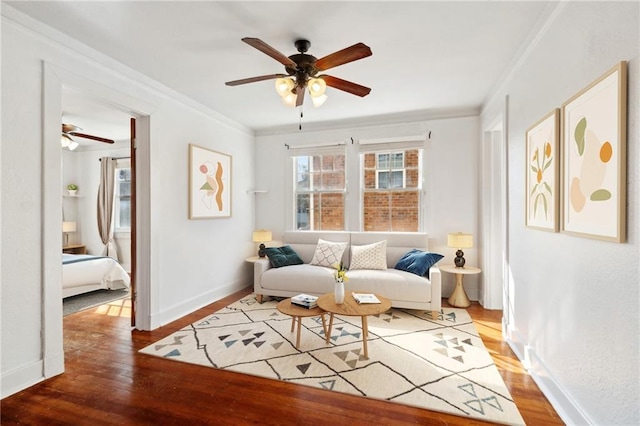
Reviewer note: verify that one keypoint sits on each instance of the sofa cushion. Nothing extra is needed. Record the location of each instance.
(328, 253)
(282, 256)
(390, 283)
(418, 262)
(308, 279)
(370, 256)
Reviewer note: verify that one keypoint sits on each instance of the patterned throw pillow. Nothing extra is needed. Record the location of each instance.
(328, 253)
(282, 256)
(371, 256)
(418, 262)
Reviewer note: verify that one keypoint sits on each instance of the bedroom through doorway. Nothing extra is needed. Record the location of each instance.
(98, 206)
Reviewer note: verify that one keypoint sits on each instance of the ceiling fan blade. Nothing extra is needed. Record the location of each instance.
(300, 96)
(346, 86)
(254, 79)
(268, 50)
(94, 138)
(341, 57)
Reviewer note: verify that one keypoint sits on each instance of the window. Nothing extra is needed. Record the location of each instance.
(391, 190)
(122, 205)
(319, 186)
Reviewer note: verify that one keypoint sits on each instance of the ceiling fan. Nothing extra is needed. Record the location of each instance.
(69, 130)
(302, 71)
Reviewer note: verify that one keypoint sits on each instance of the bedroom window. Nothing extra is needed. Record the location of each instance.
(319, 192)
(391, 188)
(122, 205)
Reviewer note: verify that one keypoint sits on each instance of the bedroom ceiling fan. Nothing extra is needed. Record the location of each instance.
(302, 72)
(68, 130)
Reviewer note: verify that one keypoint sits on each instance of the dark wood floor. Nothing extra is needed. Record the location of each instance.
(107, 382)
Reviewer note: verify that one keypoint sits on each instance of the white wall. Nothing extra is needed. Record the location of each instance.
(575, 301)
(450, 167)
(192, 262)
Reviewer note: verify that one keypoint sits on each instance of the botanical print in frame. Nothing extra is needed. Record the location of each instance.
(209, 183)
(542, 173)
(594, 158)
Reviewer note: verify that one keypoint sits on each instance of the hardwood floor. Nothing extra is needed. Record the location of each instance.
(107, 382)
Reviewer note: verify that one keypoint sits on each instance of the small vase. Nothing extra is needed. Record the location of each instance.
(339, 292)
(72, 192)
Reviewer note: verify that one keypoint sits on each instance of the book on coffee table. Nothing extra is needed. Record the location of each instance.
(365, 298)
(305, 300)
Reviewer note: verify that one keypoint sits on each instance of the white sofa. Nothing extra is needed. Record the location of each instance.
(404, 289)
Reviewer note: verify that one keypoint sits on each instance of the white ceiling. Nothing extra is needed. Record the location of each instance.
(427, 56)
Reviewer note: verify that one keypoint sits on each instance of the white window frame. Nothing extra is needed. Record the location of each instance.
(120, 164)
(390, 146)
(294, 153)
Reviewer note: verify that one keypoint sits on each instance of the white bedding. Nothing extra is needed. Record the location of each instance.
(89, 275)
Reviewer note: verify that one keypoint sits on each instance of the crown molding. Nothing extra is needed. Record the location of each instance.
(94, 57)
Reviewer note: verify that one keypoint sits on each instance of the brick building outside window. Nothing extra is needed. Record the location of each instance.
(319, 192)
(391, 191)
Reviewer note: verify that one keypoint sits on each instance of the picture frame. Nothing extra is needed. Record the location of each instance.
(543, 173)
(594, 132)
(209, 183)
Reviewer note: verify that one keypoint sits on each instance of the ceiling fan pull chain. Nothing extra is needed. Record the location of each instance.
(301, 115)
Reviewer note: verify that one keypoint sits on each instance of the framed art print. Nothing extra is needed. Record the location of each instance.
(209, 183)
(594, 158)
(542, 170)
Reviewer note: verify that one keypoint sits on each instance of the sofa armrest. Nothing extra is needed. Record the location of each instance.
(260, 267)
(435, 277)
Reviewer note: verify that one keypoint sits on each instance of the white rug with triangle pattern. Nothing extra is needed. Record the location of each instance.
(438, 365)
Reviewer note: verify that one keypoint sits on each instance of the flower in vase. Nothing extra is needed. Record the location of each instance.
(341, 273)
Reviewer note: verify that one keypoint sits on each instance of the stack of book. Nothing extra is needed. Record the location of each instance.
(305, 301)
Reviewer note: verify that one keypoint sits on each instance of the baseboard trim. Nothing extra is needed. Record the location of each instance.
(21, 378)
(193, 304)
(567, 409)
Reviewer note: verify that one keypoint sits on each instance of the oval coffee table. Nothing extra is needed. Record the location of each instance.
(352, 308)
(297, 313)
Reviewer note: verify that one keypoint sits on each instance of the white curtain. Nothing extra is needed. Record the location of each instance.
(105, 206)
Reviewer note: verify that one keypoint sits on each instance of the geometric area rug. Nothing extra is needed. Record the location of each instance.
(439, 365)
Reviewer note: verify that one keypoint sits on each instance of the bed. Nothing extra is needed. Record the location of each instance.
(82, 273)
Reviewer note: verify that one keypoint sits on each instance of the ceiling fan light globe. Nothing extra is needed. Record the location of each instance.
(317, 87)
(73, 145)
(284, 86)
(318, 100)
(65, 141)
(290, 99)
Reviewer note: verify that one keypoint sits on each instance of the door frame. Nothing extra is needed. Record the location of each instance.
(54, 79)
(494, 210)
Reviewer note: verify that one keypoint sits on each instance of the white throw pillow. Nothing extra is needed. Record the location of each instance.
(328, 253)
(371, 256)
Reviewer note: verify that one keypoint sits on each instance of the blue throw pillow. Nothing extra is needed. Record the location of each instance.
(282, 256)
(418, 262)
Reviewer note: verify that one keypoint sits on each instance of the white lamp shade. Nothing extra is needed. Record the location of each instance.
(284, 86)
(68, 226)
(65, 140)
(318, 100)
(317, 87)
(460, 240)
(261, 236)
(73, 145)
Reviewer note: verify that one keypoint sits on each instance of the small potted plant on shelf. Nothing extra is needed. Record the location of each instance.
(72, 188)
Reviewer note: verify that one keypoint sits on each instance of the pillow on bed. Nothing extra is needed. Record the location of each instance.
(328, 253)
(370, 256)
(418, 262)
(282, 256)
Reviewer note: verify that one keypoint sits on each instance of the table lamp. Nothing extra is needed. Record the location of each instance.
(261, 236)
(459, 241)
(66, 228)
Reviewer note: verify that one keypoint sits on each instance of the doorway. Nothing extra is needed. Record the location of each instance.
(81, 165)
(105, 88)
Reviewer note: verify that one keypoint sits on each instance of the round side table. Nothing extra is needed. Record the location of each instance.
(459, 297)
